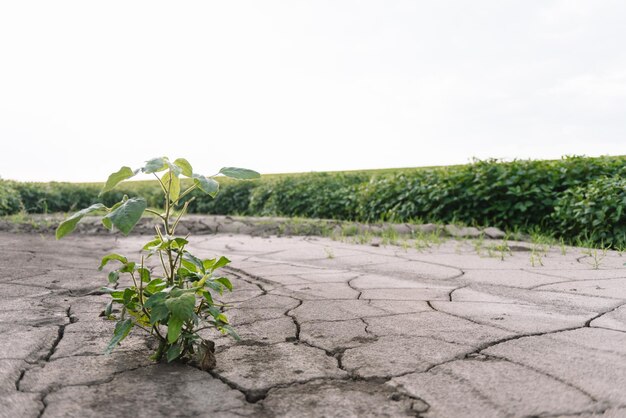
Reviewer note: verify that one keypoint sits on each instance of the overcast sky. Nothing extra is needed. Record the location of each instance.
(292, 86)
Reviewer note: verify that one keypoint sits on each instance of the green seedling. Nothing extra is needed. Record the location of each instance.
(479, 243)
(535, 258)
(597, 255)
(500, 250)
(563, 247)
(389, 236)
(180, 300)
(329, 252)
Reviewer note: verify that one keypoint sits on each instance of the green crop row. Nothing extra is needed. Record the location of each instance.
(574, 198)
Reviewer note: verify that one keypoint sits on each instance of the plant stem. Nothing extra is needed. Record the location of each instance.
(185, 193)
(154, 212)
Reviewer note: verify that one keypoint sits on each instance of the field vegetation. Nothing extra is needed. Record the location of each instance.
(574, 199)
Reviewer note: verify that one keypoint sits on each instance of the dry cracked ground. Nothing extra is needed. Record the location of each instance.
(328, 329)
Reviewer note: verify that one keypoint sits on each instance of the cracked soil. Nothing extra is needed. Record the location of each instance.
(328, 329)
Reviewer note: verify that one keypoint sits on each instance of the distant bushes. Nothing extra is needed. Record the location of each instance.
(9, 198)
(594, 212)
(508, 195)
(572, 197)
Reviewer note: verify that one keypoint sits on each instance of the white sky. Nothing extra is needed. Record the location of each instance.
(289, 86)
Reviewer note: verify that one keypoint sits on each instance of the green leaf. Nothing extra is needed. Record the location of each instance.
(156, 285)
(113, 292)
(117, 177)
(108, 309)
(227, 284)
(182, 306)
(189, 265)
(207, 296)
(155, 299)
(206, 184)
(122, 328)
(112, 256)
(220, 263)
(173, 352)
(172, 183)
(126, 216)
(144, 274)
(239, 173)
(128, 267)
(150, 245)
(184, 273)
(193, 262)
(185, 166)
(174, 327)
(232, 332)
(70, 223)
(215, 313)
(158, 313)
(114, 276)
(128, 295)
(215, 286)
(178, 243)
(107, 223)
(154, 165)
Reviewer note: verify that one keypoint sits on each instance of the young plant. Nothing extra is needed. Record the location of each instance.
(174, 304)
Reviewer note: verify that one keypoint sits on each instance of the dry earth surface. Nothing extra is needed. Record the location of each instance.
(328, 329)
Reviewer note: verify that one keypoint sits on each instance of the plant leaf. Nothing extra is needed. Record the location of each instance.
(185, 166)
(158, 313)
(220, 263)
(122, 328)
(239, 173)
(174, 327)
(232, 332)
(114, 276)
(112, 256)
(117, 177)
(155, 299)
(173, 352)
(181, 306)
(206, 184)
(155, 285)
(108, 309)
(227, 284)
(126, 216)
(69, 224)
(144, 273)
(172, 181)
(193, 263)
(154, 165)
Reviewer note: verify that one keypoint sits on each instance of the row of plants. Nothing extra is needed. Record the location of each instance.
(575, 197)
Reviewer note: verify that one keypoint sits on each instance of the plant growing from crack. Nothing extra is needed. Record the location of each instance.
(177, 303)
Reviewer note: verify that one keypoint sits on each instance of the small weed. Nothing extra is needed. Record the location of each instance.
(421, 242)
(329, 252)
(389, 236)
(349, 230)
(479, 244)
(562, 246)
(535, 258)
(500, 250)
(597, 255)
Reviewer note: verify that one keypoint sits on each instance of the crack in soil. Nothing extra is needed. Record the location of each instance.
(256, 396)
(42, 361)
(600, 315)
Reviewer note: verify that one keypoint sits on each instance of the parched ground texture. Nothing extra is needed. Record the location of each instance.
(329, 329)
